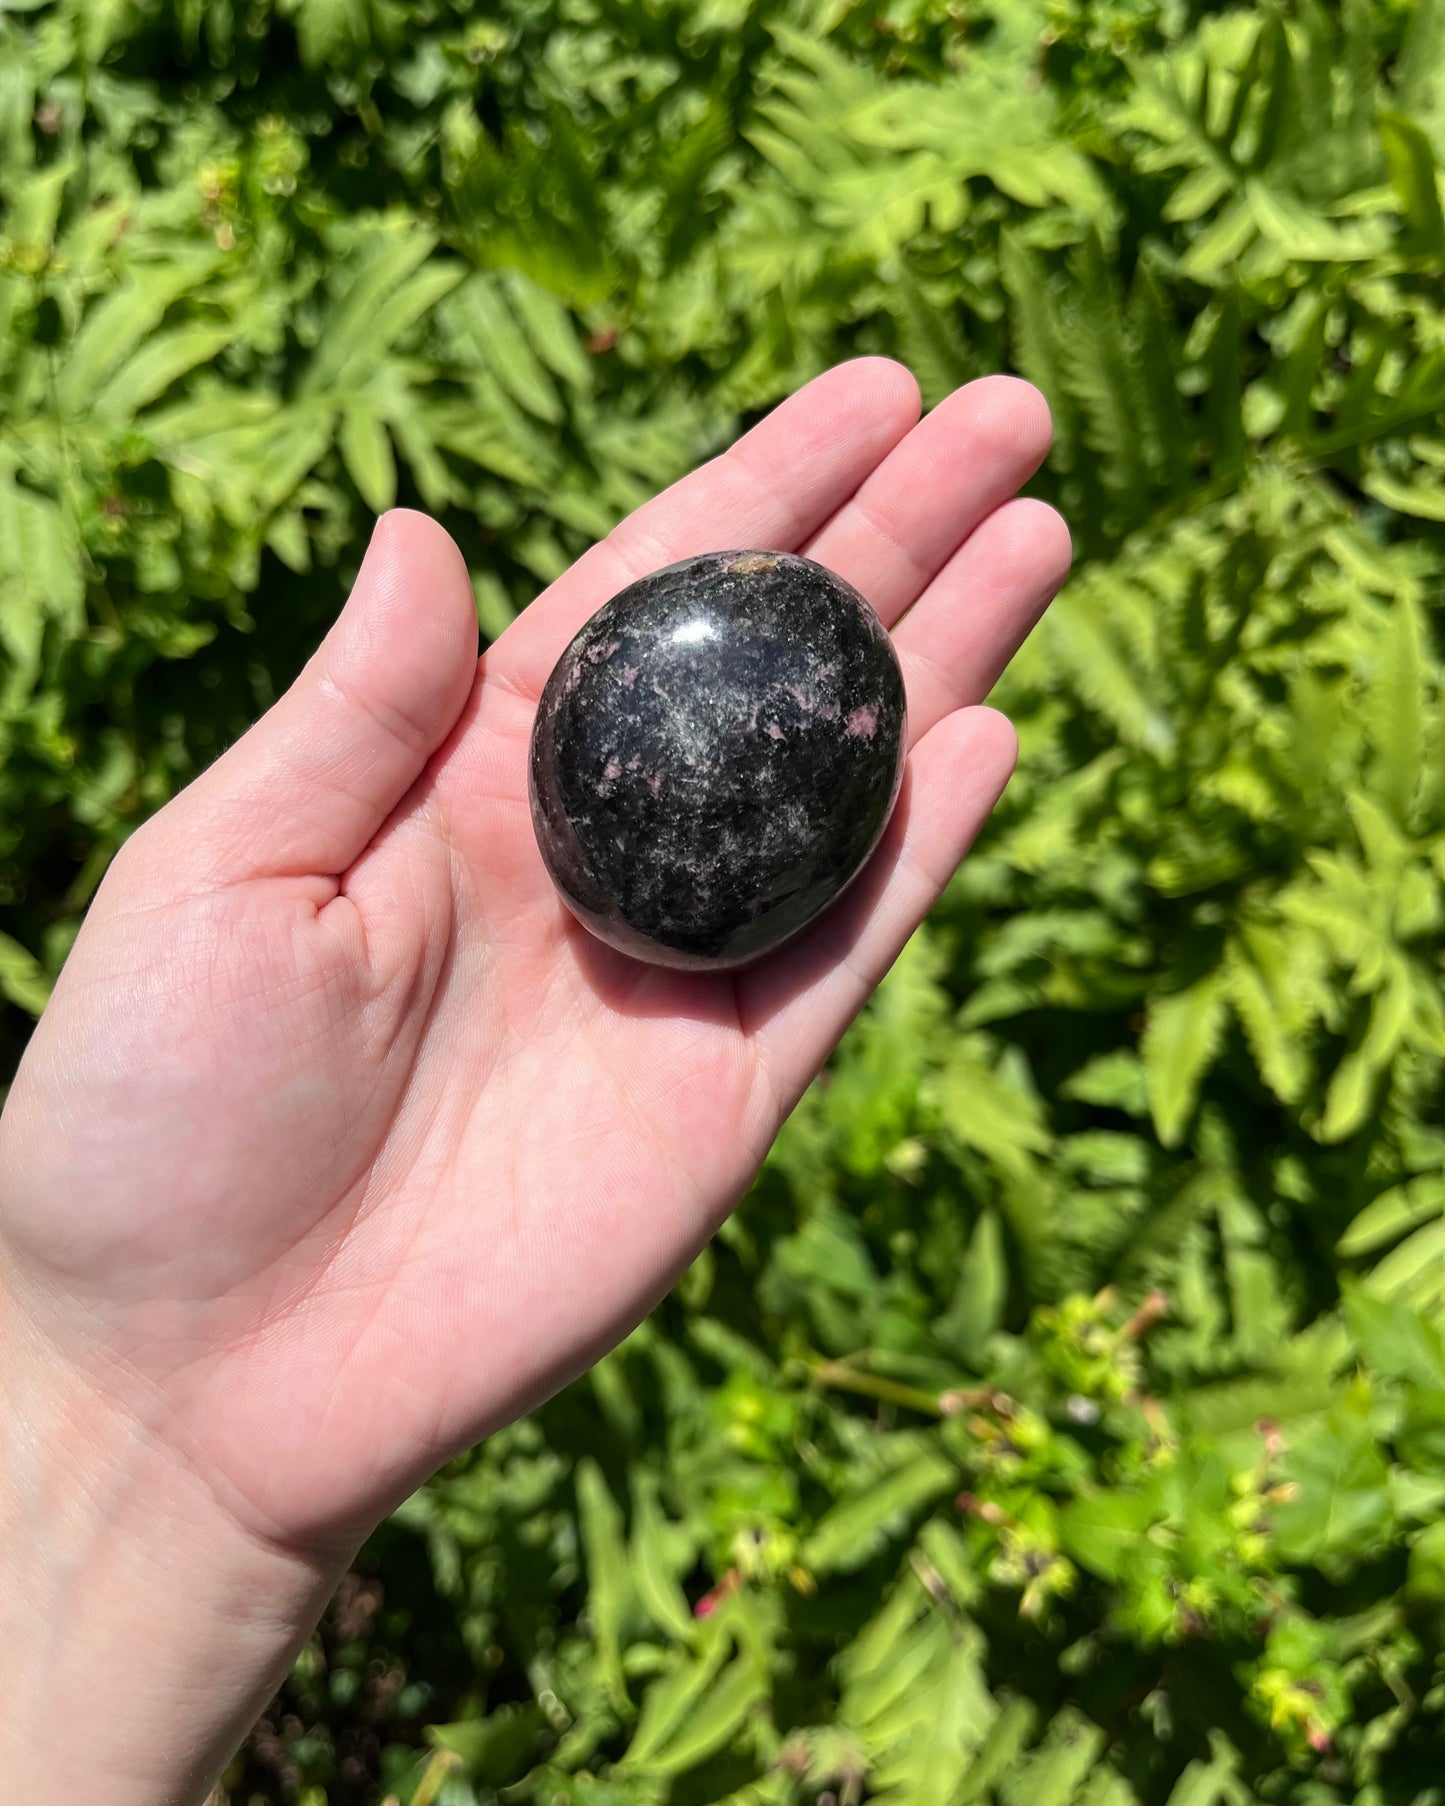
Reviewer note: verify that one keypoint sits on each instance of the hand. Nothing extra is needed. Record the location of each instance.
(340, 1142)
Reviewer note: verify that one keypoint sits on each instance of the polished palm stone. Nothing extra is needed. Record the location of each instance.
(715, 755)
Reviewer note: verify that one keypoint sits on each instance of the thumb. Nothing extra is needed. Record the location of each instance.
(305, 790)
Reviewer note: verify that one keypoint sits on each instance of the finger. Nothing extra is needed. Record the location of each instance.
(957, 465)
(306, 788)
(956, 639)
(769, 491)
(795, 1007)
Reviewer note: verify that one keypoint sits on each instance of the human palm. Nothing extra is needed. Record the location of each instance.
(341, 1142)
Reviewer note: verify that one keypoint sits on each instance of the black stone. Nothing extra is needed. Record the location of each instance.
(715, 755)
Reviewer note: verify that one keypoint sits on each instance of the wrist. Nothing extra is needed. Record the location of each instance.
(142, 1627)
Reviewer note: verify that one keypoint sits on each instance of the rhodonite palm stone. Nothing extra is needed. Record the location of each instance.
(715, 755)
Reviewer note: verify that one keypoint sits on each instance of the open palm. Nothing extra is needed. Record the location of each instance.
(341, 1142)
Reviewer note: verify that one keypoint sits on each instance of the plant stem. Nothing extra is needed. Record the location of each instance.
(843, 1378)
(442, 1764)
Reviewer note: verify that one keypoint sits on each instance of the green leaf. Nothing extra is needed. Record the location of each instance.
(1181, 1037)
(851, 1533)
(1352, 1089)
(158, 363)
(356, 336)
(41, 575)
(608, 1581)
(1415, 1269)
(654, 1571)
(670, 1701)
(976, 1309)
(1342, 1510)
(497, 1749)
(930, 343)
(115, 328)
(1038, 353)
(1413, 172)
(1219, 247)
(1420, 71)
(287, 537)
(22, 980)
(366, 451)
(391, 318)
(1397, 1342)
(331, 31)
(1423, 500)
(713, 1720)
(550, 330)
(1425, 1582)
(1395, 1211)
(490, 330)
(1115, 1080)
(1209, 1783)
(1101, 375)
(1054, 1772)
(1008, 1737)
(495, 609)
(1277, 986)
(1302, 233)
(1082, 631)
(936, 1727)
(1224, 398)
(1397, 710)
(1102, 1531)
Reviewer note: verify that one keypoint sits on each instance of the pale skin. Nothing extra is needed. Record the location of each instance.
(341, 1143)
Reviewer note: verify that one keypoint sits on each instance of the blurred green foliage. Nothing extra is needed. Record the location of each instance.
(1062, 1418)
